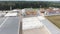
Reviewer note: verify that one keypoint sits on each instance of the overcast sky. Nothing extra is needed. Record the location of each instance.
(29, 0)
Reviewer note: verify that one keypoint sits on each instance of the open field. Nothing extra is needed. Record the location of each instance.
(55, 20)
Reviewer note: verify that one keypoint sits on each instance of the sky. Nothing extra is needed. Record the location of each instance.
(29, 0)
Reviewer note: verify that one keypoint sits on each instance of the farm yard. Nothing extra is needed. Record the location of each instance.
(29, 17)
(54, 19)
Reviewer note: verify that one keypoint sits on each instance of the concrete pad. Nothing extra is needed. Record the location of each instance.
(36, 31)
(31, 23)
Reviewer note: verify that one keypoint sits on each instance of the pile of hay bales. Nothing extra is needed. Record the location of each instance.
(28, 13)
(42, 10)
(31, 12)
(34, 12)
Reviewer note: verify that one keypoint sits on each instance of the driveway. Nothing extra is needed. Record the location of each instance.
(52, 28)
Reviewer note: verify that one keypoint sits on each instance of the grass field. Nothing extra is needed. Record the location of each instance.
(55, 20)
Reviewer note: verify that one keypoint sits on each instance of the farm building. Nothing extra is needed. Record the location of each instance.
(53, 11)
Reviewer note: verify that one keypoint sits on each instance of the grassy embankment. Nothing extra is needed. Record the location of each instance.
(55, 20)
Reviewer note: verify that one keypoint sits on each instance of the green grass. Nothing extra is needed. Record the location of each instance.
(55, 20)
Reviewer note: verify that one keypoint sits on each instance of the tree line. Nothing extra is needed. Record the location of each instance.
(7, 5)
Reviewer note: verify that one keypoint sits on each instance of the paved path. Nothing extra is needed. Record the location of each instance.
(53, 29)
(10, 26)
(2, 19)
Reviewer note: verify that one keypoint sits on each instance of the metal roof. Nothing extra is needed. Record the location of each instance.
(9, 25)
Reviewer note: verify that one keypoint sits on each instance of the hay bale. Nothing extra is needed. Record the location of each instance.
(34, 12)
(28, 13)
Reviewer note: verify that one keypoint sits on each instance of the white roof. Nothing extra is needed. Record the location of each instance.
(11, 14)
(2, 14)
(23, 11)
(56, 9)
(16, 10)
(31, 22)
